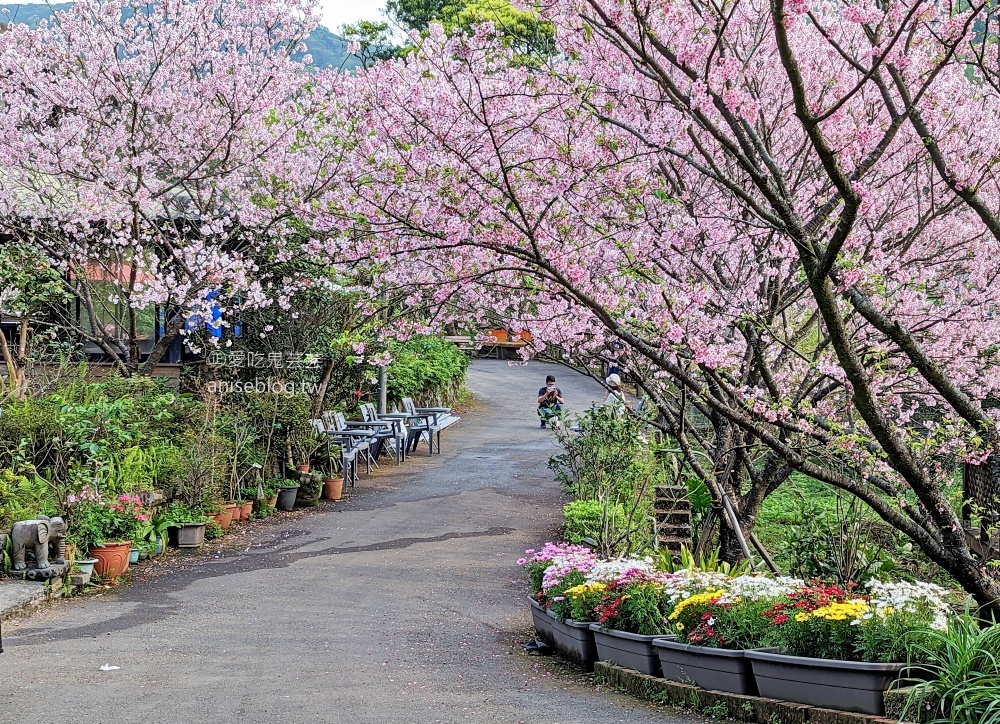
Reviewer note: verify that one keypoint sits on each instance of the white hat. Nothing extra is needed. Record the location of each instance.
(614, 381)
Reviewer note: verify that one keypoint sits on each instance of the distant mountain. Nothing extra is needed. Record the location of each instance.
(327, 50)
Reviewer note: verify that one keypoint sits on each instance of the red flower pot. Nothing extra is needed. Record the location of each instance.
(234, 510)
(246, 509)
(112, 559)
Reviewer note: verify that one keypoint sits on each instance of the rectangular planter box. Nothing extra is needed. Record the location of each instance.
(633, 651)
(843, 685)
(189, 535)
(712, 669)
(575, 641)
(542, 620)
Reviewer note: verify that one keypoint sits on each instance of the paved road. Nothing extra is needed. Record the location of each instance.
(402, 603)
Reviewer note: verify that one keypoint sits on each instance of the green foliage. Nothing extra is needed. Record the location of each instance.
(702, 620)
(426, 366)
(708, 562)
(642, 610)
(610, 461)
(535, 571)
(179, 512)
(718, 710)
(414, 14)
(816, 533)
(964, 667)
(532, 38)
(23, 498)
(213, 530)
(583, 604)
(559, 603)
(593, 522)
(374, 41)
(94, 521)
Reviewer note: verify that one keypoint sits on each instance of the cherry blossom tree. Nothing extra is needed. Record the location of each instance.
(788, 210)
(146, 151)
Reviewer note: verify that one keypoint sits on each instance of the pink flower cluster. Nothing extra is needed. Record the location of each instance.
(86, 494)
(639, 575)
(553, 552)
(125, 503)
(580, 561)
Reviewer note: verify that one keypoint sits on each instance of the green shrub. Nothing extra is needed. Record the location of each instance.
(22, 498)
(610, 460)
(426, 367)
(594, 523)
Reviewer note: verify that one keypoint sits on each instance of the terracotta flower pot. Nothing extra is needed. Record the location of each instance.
(303, 468)
(273, 501)
(224, 519)
(112, 559)
(234, 510)
(333, 488)
(246, 509)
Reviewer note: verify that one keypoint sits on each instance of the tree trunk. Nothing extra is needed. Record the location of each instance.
(324, 383)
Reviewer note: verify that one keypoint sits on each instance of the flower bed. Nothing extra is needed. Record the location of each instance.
(812, 643)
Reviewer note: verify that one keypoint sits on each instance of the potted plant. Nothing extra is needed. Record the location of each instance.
(85, 566)
(271, 487)
(155, 531)
(310, 486)
(235, 512)
(287, 493)
(106, 528)
(187, 525)
(631, 615)
(715, 628)
(333, 487)
(842, 650)
(553, 572)
(305, 444)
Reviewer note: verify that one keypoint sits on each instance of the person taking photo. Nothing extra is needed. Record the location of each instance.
(550, 402)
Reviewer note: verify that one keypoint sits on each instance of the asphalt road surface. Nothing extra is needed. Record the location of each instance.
(401, 603)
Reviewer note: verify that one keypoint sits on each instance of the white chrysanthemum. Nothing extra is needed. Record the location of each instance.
(919, 597)
(610, 570)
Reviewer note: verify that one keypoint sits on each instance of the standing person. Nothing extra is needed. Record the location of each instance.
(550, 401)
(616, 395)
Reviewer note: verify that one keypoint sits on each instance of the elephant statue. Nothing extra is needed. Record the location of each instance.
(44, 536)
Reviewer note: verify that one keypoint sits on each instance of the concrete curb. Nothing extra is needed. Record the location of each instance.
(19, 599)
(720, 704)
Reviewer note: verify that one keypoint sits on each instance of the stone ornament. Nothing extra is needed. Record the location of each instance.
(42, 543)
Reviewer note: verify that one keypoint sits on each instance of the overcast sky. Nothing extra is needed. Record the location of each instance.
(337, 12)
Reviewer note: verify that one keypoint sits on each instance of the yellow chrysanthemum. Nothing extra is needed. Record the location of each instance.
(679, 626)
(694, 600)
(586, 589)
(852, 610)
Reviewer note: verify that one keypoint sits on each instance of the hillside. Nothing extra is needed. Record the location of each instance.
(327, 50)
